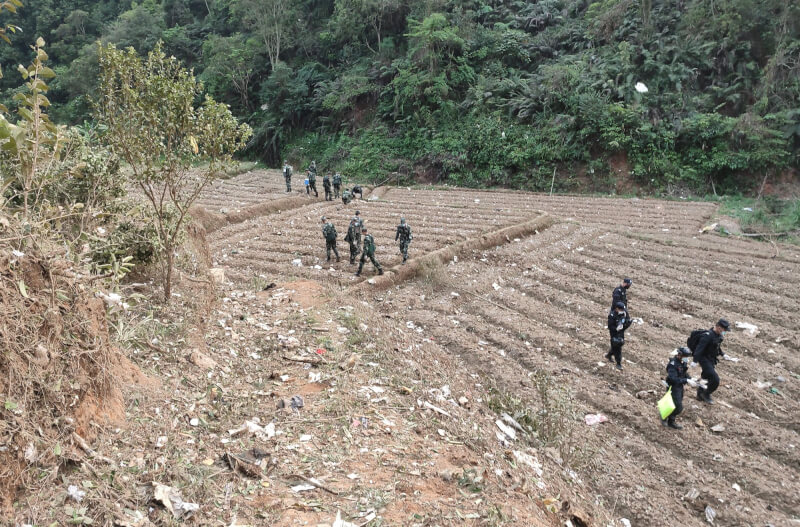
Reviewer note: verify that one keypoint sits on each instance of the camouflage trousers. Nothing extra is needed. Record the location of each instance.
(330, 245)
(353, 252)
(371, 257)
(404, 249)
(336, 189)
(288, 183)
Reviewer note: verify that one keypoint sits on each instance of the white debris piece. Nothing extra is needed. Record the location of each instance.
(297, 262)
(529, 460)
(172, 500)
(496, 287)
(76, 493)
(303, 487)
(507, 430)
(751, 330)
(641, 88)
(339, 522)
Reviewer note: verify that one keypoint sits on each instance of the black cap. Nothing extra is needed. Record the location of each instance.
(683, 351)
(627, 281)
(619, 305)
(724, 324)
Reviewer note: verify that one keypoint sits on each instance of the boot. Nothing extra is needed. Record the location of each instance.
(380, 271)
(609, 358)
(337, 258)
(619, 367)
(703, 396)
(672, 424)
(358, 273)
(663, 422)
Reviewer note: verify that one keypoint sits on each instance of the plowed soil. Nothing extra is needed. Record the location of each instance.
(539, 303)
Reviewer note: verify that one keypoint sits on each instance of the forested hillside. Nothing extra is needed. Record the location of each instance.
(677, 94)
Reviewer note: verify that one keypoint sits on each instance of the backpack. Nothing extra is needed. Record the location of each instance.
(694, 338)
(330, 232)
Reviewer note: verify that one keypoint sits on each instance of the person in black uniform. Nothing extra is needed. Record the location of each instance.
(706, 354)
(620, 293)
(618, 322)
(357, 190)
(677, 377)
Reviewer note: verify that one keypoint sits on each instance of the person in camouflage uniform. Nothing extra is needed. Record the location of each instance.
(312, 183)
(337, 184)
(359, 224)
(326, 185)
(350, 238)
(403, 234)
(368, 253)
(287, 175)
(347, 196)
(329, 232)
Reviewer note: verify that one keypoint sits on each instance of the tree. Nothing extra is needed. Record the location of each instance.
(229, 64)
(32, 144)
(272, 21)
(155, 127)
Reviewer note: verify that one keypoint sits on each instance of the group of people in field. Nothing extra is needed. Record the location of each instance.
(331, 184)
(703, 347)
(359, 239)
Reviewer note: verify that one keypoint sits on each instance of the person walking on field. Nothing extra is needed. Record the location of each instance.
(312, 182)
(403, 234)
(287, 175)
(677, 377)
(350, 238)
(329, 232)
(618, 322)
(705, 346)
(326, 185)
(620, 294)
(369, 252)
(359, 223)
(337, 185)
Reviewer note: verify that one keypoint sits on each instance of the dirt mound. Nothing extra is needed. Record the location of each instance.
(61, 375)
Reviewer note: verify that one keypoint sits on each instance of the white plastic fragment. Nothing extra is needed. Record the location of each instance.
(172, 500)
(76, 493)
(507, 430)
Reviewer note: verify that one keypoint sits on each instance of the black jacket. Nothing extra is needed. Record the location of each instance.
(677, 372)
(614, 320)
(620, 295)
(708, 347)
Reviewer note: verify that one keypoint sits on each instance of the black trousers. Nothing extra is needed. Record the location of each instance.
(677, 398)
(709, 374)
(616, 352)
(312, 185)
(328, 194)
(288, 184)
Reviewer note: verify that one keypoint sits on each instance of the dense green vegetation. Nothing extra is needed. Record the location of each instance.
(467, 91)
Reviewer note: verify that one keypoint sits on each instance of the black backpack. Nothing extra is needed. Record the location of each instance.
(694, 338)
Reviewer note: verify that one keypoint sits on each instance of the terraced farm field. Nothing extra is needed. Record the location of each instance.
(539, 303)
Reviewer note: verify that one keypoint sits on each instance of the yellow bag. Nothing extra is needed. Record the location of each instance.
(666, 405)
